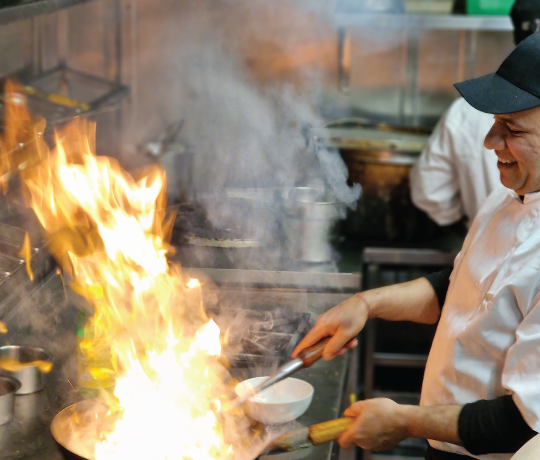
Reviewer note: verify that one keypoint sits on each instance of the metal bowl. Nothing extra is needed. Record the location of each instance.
(31, 377)
(8, 387)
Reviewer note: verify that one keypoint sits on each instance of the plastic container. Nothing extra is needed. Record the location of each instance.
(489, 7)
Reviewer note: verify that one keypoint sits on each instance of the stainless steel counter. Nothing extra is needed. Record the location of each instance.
(48, 318)
(28, 436)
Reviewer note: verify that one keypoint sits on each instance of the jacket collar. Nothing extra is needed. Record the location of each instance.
(528, 198)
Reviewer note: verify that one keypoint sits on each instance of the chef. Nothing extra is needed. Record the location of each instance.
(481, 390)
(456, 173)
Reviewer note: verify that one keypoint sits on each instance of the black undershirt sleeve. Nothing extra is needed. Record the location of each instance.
(440, 282)
(493, 427)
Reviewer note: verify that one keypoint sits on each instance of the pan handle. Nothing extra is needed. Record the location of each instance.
(313, 353)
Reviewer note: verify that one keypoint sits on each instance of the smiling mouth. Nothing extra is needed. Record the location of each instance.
(501, 160)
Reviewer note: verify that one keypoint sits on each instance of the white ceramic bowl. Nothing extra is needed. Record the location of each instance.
(283, 402)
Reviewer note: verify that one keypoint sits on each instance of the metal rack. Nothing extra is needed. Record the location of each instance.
(28, 9)
(60, 92)
(347, 18)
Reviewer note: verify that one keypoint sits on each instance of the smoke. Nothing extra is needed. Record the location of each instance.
(245, 77)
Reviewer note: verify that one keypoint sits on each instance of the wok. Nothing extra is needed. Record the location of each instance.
(75, 429)
(76, 432)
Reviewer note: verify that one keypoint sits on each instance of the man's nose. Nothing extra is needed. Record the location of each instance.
(495, 138)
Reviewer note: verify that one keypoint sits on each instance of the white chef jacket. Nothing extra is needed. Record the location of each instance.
(487, 343)
(455, 173)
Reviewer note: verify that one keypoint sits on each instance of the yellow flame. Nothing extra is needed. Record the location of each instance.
(13, 365)
(109, 231)
(3, 328)
(26, 254)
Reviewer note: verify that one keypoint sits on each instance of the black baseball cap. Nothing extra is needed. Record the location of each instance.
(514, 87)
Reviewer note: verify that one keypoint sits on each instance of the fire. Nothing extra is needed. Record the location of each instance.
(109, 231)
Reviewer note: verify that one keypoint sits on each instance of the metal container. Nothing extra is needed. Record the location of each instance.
(8, 388)
(379, 158)
(30, 377)
(311, 213)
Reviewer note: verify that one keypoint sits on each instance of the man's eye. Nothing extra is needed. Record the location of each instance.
(515, 133)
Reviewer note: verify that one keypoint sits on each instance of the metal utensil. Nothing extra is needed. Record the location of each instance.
(305, 359)
(8, 388)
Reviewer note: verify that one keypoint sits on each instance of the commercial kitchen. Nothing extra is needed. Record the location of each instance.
(188, 185)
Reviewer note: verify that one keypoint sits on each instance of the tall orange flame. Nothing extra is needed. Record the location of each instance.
(109, 232)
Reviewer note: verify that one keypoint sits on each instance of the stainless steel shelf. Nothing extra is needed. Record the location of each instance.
(299, 280)
(399, 256)
(350, 18)
(399, 360)
(34, 8)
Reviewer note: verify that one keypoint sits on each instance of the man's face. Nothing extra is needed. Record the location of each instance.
(515, 138)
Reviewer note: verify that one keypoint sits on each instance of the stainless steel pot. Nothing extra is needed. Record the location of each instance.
(8, 388)
(311, 213)
(30, 377)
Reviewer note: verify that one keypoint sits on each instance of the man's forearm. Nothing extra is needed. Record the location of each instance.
(411, 301)
(439, 423)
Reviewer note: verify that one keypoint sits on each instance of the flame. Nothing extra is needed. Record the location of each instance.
(109, 231)
(26, 254)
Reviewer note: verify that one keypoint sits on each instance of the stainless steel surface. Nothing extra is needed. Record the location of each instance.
(29, 433)
(30, 9)
(399, 360)
(280, 279)
(8, 388)
(351, 388)
(372, 138)
(31, 378)
(396, 256)
(352, 18)
(328, 379)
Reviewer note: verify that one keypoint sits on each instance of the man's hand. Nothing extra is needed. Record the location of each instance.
(343, 323)
(380, 424)
(411, 301)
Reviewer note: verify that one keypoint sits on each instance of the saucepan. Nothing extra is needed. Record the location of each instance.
(8, 388)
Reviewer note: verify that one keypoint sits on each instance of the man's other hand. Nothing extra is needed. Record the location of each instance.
(379, 424)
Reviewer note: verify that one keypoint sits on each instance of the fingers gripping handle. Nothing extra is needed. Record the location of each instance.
(313, 353)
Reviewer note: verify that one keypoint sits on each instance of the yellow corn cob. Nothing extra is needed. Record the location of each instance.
(329, 431)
